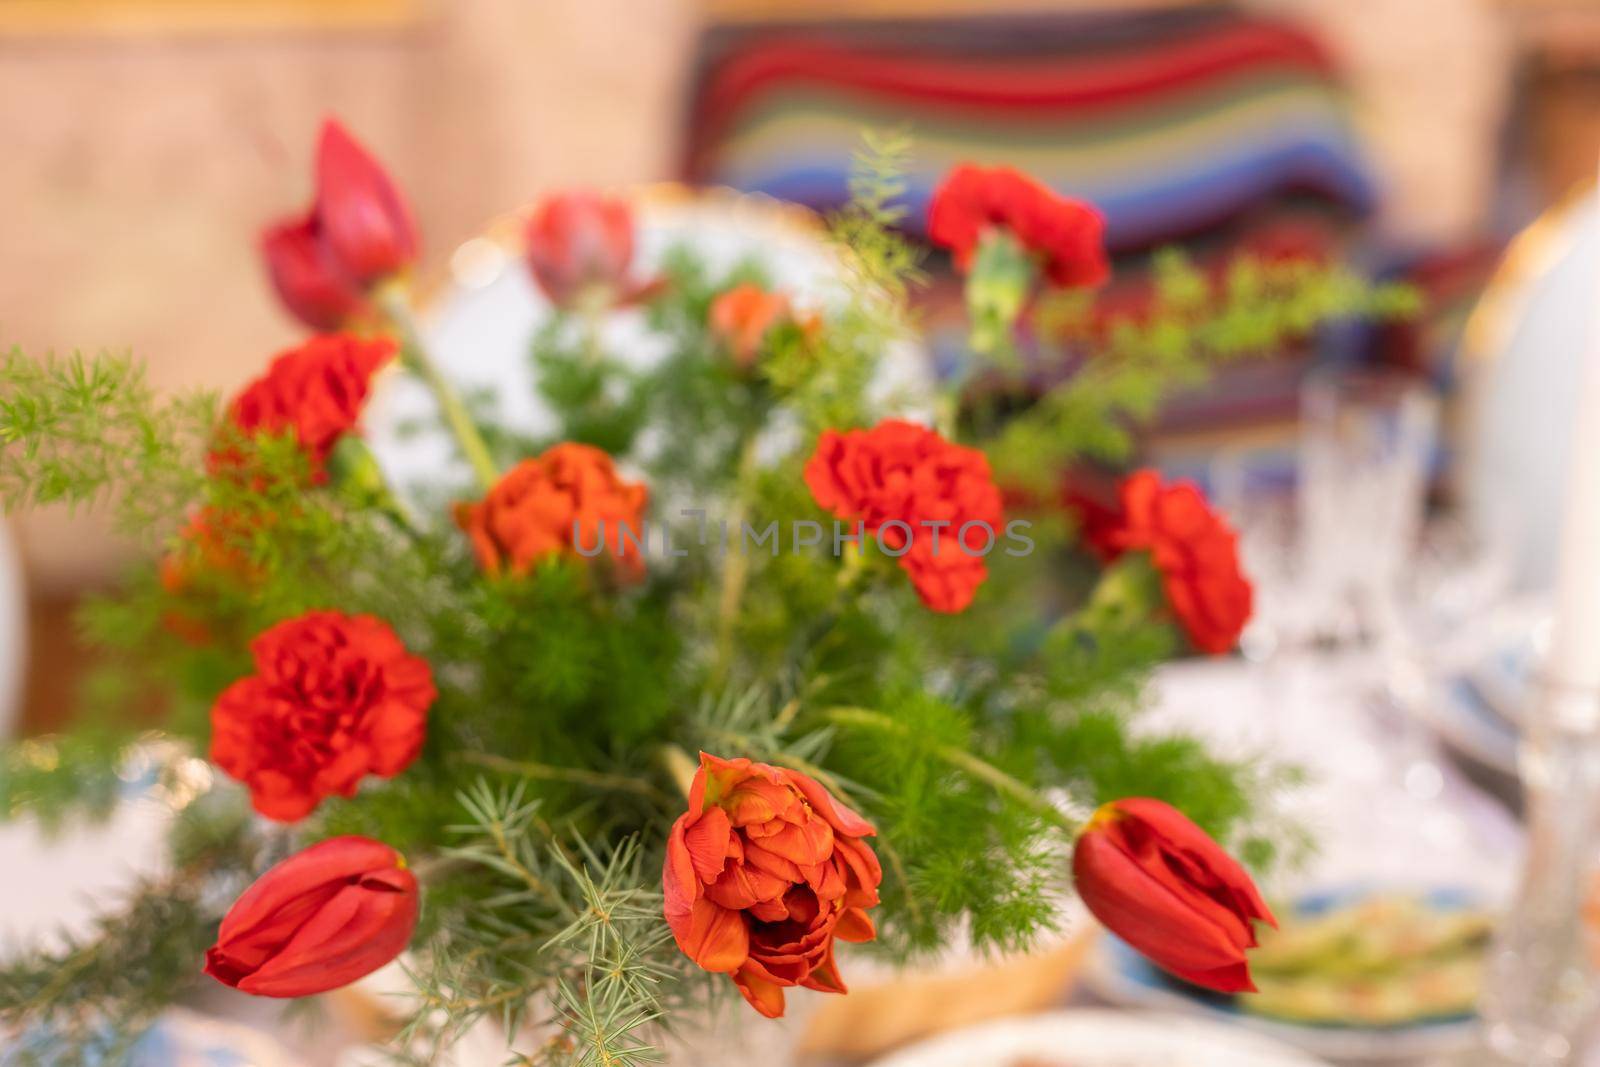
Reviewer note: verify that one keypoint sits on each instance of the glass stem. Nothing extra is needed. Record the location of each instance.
(1542, 992)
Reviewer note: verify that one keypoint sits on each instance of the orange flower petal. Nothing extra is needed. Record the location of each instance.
(764, 995)
(855, 926)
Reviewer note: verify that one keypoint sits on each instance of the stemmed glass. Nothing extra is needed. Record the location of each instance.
(1366, 445)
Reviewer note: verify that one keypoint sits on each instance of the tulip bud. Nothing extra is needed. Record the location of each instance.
(579, 248)
(321, 919)
(306, 279)
(1158, 882)
(365, 222)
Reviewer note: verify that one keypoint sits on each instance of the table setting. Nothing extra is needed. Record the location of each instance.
(1230, 765)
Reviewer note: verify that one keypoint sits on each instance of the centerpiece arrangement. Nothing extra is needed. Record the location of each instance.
(743, 661)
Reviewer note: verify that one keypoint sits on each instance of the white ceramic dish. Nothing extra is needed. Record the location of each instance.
(1099, 1038)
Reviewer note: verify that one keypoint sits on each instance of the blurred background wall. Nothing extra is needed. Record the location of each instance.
(146, 143)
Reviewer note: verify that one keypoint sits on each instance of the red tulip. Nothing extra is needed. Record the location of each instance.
(321, 919)
(580, 246)
(305, 276)
(365, 222)
(1158, 882)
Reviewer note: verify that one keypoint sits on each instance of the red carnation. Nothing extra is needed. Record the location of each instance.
(316, 390)
(334, 698)
(933, 501)
(1190, 544)
(321, 919)
(1066, 234)
(763, 872)
(1158, 882)
(539, 506)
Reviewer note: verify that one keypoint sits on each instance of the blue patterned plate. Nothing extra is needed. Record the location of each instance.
(1120, 975)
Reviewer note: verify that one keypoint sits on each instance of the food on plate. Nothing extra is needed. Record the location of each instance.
(1380, 960)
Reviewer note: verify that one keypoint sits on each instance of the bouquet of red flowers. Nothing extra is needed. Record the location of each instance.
(739, 663)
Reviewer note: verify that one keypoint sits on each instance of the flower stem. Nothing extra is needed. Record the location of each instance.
(1127, 590)
(550, 772)
(960, 759)
(736, 565)
(678, 764)
(396, 305)
(359, 471)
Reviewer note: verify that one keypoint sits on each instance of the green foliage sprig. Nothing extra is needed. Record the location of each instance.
(1195, 324)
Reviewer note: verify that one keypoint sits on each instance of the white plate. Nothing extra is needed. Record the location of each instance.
(1482, 689)
(480, 324)
(61, 882)
(1098, 1038)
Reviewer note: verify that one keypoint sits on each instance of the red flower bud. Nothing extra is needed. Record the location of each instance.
(319, 920)
(365, 222)
(305, 276)
(579, 247)
(1158, 882)
(742, 317)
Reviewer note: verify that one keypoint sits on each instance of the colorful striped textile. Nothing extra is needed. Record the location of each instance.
(1171, 125)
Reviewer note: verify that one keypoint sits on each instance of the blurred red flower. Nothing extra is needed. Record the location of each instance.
(306, 278)
(209, 547)
(763, 872)
(316, 390)
(358, 232)
(208, 544)
(579, 248)
(333, 698)
(1157, 881)
(1066, 234)
(321, 919)
(540, 505)
(1192, 546)
(917, 493)
(363, 219)
(741, 317)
